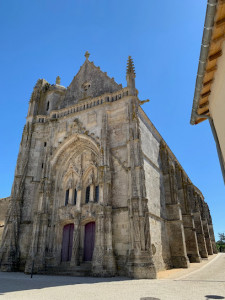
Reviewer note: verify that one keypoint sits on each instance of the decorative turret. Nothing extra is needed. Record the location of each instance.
(130, 77)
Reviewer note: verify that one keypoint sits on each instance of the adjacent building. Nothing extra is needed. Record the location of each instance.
(209, 99)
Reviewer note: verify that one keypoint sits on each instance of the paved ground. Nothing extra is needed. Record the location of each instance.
(202, 281)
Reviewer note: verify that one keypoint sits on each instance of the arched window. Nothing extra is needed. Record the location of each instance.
(67, 197)
(47, 106)
(96, 193)
(87, 194)
(75, 197)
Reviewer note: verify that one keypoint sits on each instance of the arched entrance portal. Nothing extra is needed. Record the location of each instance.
(89, 241)
(67, 242)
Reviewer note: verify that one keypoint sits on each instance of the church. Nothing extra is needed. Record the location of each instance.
(97, 191)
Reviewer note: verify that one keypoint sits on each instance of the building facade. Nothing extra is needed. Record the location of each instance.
(97, 191)
(208, 102)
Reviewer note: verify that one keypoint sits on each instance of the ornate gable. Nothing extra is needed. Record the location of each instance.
(89, 82)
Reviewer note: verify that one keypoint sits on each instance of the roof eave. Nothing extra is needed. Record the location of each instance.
(207, 34)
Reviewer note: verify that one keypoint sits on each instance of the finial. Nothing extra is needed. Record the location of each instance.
(130, 66)
(87, 54)
(58, 79)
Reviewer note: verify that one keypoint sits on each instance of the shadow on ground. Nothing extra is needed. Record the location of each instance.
(214, 297)
(16, 281)
(149, 298)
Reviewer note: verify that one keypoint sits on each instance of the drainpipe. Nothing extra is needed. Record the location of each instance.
(219, 152)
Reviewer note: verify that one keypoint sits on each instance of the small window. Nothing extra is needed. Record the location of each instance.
(67, 197)
(45, 144)
(87, 194)
(47, 105)
(97, 193)
(75, 197)
(42, 165)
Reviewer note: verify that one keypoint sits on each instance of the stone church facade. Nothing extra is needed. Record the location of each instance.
(97, 191)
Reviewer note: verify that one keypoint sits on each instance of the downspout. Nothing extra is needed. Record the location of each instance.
(219, 152)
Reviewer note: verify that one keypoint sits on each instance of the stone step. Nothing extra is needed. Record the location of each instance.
(65, 269)
(66, 273)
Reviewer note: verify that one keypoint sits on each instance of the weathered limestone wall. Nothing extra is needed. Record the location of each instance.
(93, 83)
(185, 195)
(175, 224)
(4, 202)
(117, 119)
(155, 195)
(121, 238)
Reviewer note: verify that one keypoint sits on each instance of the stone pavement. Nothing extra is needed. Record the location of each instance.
(203, 281)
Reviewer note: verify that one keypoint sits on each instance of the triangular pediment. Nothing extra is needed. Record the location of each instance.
(90, 82)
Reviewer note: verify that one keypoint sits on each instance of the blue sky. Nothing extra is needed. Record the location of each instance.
(43, 39)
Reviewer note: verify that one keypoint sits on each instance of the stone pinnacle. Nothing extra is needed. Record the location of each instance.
(130, 66)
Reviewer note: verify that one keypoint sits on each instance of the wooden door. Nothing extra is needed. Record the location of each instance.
(67, 242)
(89, 241)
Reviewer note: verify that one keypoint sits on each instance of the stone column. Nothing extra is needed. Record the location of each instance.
(70, 201)
(76, 240)
(36, 255)
(109, 259)
(207, 237)
(175, 229)
(140, 263)
(210, 226)
(191, 238)
(174, 223)
(10, 254)
(211, 232)
(204, 215)
(200, 235)
(186, 197)
(92, 193)
(79, 193)
(98, 254)
(101, 193)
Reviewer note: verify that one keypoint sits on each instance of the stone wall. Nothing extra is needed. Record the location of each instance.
(150, 141)
(4, 203)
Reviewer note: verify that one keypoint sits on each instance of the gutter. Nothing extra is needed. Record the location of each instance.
(207, 33)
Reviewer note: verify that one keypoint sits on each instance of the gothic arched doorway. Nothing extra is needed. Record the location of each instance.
(67, 242)
(89, 241)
